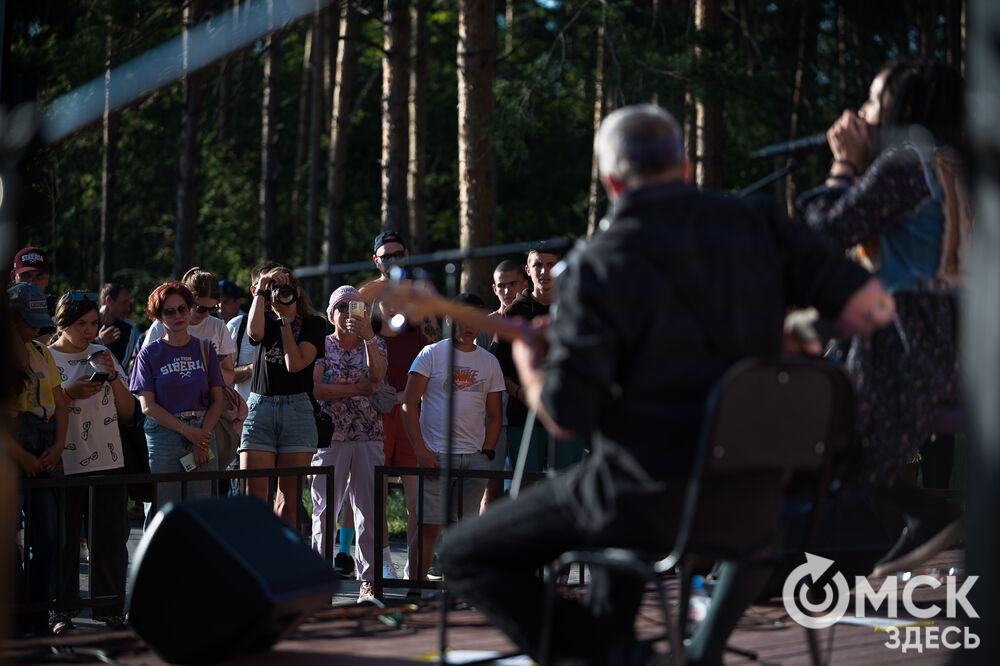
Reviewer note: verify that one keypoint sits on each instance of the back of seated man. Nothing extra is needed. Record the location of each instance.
(650, 314)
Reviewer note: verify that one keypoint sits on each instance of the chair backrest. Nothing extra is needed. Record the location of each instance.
(779, 414)
(764, 420)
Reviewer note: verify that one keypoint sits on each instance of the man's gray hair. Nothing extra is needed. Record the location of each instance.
(636, 142)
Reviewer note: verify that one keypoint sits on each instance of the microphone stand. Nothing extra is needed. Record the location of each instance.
(794, 164)
(451, 272)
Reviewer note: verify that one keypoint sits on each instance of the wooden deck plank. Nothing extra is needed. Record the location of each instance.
(765, 629)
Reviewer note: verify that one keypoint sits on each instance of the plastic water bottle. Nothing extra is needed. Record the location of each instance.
(698, 605)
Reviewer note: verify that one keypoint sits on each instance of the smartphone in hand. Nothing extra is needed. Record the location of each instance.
(99, 376)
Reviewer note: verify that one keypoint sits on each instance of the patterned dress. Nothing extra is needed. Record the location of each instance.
(354, 419)
(903, 374)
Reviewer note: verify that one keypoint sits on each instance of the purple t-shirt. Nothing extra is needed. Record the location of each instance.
(176, 375)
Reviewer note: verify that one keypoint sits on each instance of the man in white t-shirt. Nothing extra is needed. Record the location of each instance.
(477, 384)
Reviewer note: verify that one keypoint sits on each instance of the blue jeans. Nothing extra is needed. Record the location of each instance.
(279, 424)
(166, 448)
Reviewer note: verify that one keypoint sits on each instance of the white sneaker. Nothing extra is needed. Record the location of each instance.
(367, 592)
(389, 569)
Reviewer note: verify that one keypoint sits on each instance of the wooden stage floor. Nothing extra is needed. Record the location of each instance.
(765, 629)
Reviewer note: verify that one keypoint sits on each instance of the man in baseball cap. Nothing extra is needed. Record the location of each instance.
(230, 301)
(31, 265)
(28, 300)
(389, 250)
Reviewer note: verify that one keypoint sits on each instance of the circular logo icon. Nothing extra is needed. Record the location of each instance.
(797, 603)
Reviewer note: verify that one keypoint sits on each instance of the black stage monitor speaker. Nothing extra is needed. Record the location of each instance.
(217, 577)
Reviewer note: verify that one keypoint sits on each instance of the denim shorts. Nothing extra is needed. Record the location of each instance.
(279, 424)
(166, 448)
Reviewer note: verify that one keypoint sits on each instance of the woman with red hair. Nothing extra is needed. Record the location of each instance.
(179, 383)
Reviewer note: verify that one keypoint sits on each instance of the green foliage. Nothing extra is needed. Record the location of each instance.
(395, 508)
(541, 129)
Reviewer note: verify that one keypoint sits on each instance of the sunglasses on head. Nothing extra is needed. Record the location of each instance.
(179, 310)
(202, 309)
(80, 296)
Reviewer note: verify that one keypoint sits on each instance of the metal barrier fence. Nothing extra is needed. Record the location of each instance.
(303, 520)
(124, 480)
(422, 474)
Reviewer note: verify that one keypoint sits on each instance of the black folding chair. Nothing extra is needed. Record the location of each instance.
(766, 421)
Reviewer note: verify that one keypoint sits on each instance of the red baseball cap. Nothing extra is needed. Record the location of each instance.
(31, 259)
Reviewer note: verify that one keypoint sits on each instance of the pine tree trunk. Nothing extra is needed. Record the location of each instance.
(806, 47)
(415, 194)
(708, 113)
(508, 32)
(395, 129)
(190, 157)
(224, 90)
(301, 166)
(269, 146)
(109, 140)
(314, 236)
(955, 31)
(340, 128)
(476, 157)
(595, 181)
(928, 15)
(842, 54)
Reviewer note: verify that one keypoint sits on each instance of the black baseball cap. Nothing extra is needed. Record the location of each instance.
(388, 236)
(230, 289)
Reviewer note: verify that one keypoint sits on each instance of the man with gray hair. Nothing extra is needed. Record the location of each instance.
(679, 286)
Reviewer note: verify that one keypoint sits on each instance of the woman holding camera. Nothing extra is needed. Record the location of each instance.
(179, 383)
(94, 382)
(280, 429)
(353, 364)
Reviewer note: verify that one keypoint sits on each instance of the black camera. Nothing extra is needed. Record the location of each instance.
(285, 294)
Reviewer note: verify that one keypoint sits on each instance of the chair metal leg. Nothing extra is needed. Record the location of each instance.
(813, 639)
(673, 637)
(545, 637)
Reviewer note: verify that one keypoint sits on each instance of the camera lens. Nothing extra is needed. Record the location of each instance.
(285, 295)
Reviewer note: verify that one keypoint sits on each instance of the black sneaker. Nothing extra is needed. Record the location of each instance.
(61, 626)
(916, 546)
(343, 564)
(434, 572)
(111, 621)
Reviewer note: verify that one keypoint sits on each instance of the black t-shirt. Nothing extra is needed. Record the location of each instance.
(270, 376)
(527, 307)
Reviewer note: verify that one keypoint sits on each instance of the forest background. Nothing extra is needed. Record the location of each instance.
(457, 122)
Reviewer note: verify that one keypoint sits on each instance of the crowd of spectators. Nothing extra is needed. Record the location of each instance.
(88, 371)
(206, 371)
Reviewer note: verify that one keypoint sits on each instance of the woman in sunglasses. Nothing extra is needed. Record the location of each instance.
(179, 384)
(203, 322)
(280, 429)
(94, 381)
(353, 364)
